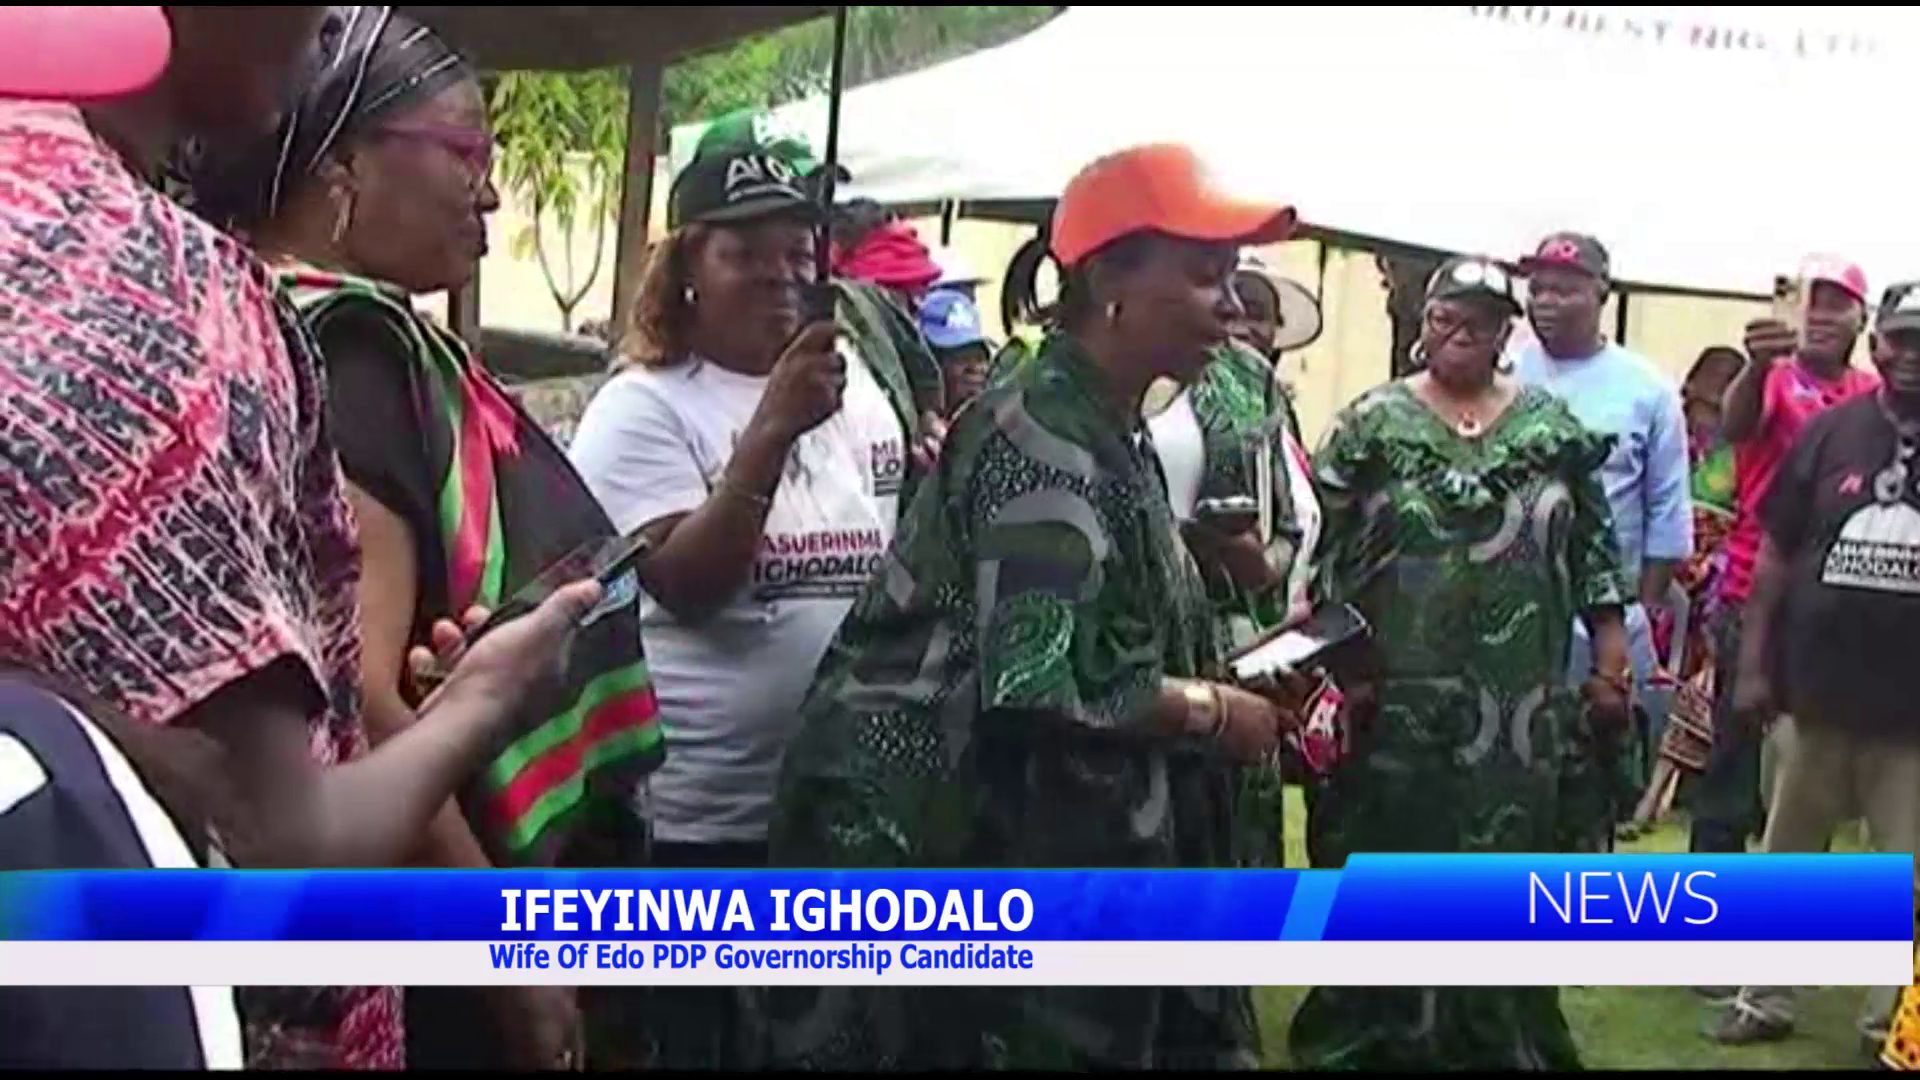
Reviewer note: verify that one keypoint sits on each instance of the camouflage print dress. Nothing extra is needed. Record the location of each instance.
(1471, 559)
(981, 707)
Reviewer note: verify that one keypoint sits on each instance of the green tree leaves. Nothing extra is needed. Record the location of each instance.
(563, 135)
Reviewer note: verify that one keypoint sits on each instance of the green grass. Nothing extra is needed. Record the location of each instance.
(1640, 1027)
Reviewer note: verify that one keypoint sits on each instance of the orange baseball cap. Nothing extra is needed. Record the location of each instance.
(1163, 188)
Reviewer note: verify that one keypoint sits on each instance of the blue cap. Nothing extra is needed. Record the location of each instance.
(950, 321)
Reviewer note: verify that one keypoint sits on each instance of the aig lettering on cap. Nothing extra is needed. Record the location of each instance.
(744, 170)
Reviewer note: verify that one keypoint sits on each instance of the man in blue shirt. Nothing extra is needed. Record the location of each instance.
(1619, 393)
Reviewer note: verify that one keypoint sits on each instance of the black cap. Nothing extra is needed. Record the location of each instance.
(735, 187)
(1572, 251)
(1471, 275)
(1899, 308)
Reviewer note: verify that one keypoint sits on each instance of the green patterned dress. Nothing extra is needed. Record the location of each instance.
(979, 709)
(1235, 405)
(1471, 558)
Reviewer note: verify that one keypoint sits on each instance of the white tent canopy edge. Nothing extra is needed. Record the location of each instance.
(1710, 147)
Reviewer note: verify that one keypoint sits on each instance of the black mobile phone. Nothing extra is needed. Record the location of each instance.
(606, 561)
(818, 302)
(1301, 647)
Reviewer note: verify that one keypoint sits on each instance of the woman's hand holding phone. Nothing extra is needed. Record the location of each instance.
(607, 566)
(806, 384)
(504, 664)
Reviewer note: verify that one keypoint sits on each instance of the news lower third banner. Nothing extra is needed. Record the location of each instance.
(1437, 920)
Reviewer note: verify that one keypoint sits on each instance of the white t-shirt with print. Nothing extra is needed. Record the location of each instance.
(655, 443)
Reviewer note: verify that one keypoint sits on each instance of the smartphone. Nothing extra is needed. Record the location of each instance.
(606, 561)
(1232, 515)
(818, 303)
(1302, 646)
(1789, 301)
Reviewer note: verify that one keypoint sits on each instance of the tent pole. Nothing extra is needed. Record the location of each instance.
(830, 168)
(636, 189)
(1620, 319)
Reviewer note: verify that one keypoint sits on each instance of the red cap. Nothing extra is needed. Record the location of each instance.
(81, 53)
(1836, 271)
(1163, 188)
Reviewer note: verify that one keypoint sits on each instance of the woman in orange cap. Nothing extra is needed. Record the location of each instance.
(1033, 678)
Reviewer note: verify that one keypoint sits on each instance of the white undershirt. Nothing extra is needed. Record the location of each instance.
(1182, 448)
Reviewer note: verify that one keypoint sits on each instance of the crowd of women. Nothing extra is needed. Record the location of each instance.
(897, 611)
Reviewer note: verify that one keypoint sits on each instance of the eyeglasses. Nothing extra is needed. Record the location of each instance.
(473, 146)
(1445, 325)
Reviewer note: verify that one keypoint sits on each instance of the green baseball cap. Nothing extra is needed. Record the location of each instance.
(730, 187)
(747, 131)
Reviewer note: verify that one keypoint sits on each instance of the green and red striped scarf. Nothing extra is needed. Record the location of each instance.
(525, 802)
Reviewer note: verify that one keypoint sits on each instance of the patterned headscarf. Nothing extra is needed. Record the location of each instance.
(368, 61)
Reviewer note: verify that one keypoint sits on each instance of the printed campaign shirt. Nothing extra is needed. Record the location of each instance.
(171, 510)
(654, 444)
(1845, 514)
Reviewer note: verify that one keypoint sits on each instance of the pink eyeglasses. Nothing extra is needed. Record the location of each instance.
(473, 146)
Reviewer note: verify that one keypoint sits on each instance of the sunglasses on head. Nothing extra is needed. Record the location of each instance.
(1486, 274)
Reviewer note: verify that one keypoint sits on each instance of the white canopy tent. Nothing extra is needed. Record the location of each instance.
(1710, 147)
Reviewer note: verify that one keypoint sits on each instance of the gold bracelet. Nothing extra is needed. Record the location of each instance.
(1219, 712)
(728, 487)
(1206, 712)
